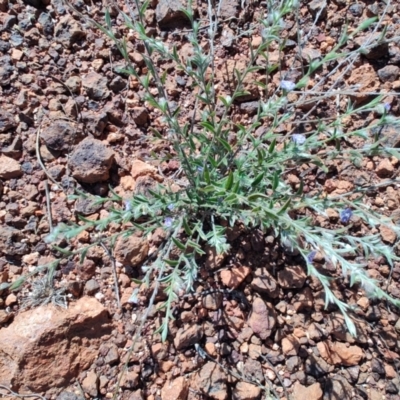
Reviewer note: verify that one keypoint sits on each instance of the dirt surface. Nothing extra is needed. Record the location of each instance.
(255, 321)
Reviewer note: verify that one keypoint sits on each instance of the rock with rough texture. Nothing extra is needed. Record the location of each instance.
(60, 135)
(264, 282)
(90, 384)
(188, 336)
(96, 86)
(389, 73)
(169, 14)
(318, 7)
(313, 392)
(384, 169)
(292, 277)
(7, 121)
(212, 381)
(95, 122)
(9, 168)
(176, 389)
(11, 241)
(388, 234)
(263, 318)
(91, 161)
(68, 31)
(60, 342)
(140, 169)
(234, 277)
(246, 391)
(131, 250)
(338, 353)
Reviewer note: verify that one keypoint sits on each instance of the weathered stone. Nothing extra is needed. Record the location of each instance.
(60, 135)
(234, 277)
(91, 161)
(338, 353)
(49, 336)
(246, 391)
(9, 168)
(68, 31)
(292, 277)
(212, 381)
(176, 389)
(313, 392)
(188, 336)
(96, 86)
(7, 121)
(131, 250)
(263, 318)
(169, 14)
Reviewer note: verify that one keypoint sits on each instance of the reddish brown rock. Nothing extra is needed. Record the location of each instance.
(292, 277)
(388, 235)
(90, 384)
(9, 168)
(212, 381)
(188, 336)
(60, 342)
(263, 318)
(338, 353)
(234, 277)
(385, 168)
(246, 391)
(313, 392)
(131, 250)
(176, 389)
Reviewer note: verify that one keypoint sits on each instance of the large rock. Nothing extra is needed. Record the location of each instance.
(44, 349)
(338, 353)
(91, 161)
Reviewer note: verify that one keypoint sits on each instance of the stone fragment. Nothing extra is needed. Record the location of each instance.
(313, 392)
(95, 86)
(60, 135)
(188, 336)
(90, 384)
(176, 389)
(91, 161)
(131, 250)
(263, 318)
(68, 31)
(5, 316)
(212, 381)
(290, 346)
(95, 122)
(265, 283)
(338, 353)
(169, 14)
(74, 84)
(292, 277)
(91, 287)
(318, 7)
(130, 380)
(7, 121)
(388, 234)
(246, 391)
(229, 8)
(212, 301)
(46, 336)
(9, 168)
(389, 73)
(367, 81)
(140, 115)
(309, 54)
(234, 277)
(385, 168)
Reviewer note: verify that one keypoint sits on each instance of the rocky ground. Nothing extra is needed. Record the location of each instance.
(68, 121)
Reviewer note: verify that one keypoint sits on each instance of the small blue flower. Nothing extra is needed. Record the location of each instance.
(298, 138)
(311, 256)
(345, 215)
(168, 222)
(200, 169)
(128, 205)
(387, 107)
(170, 207)
(287, 85)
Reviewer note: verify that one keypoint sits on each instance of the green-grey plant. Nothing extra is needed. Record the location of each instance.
(224, 182)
